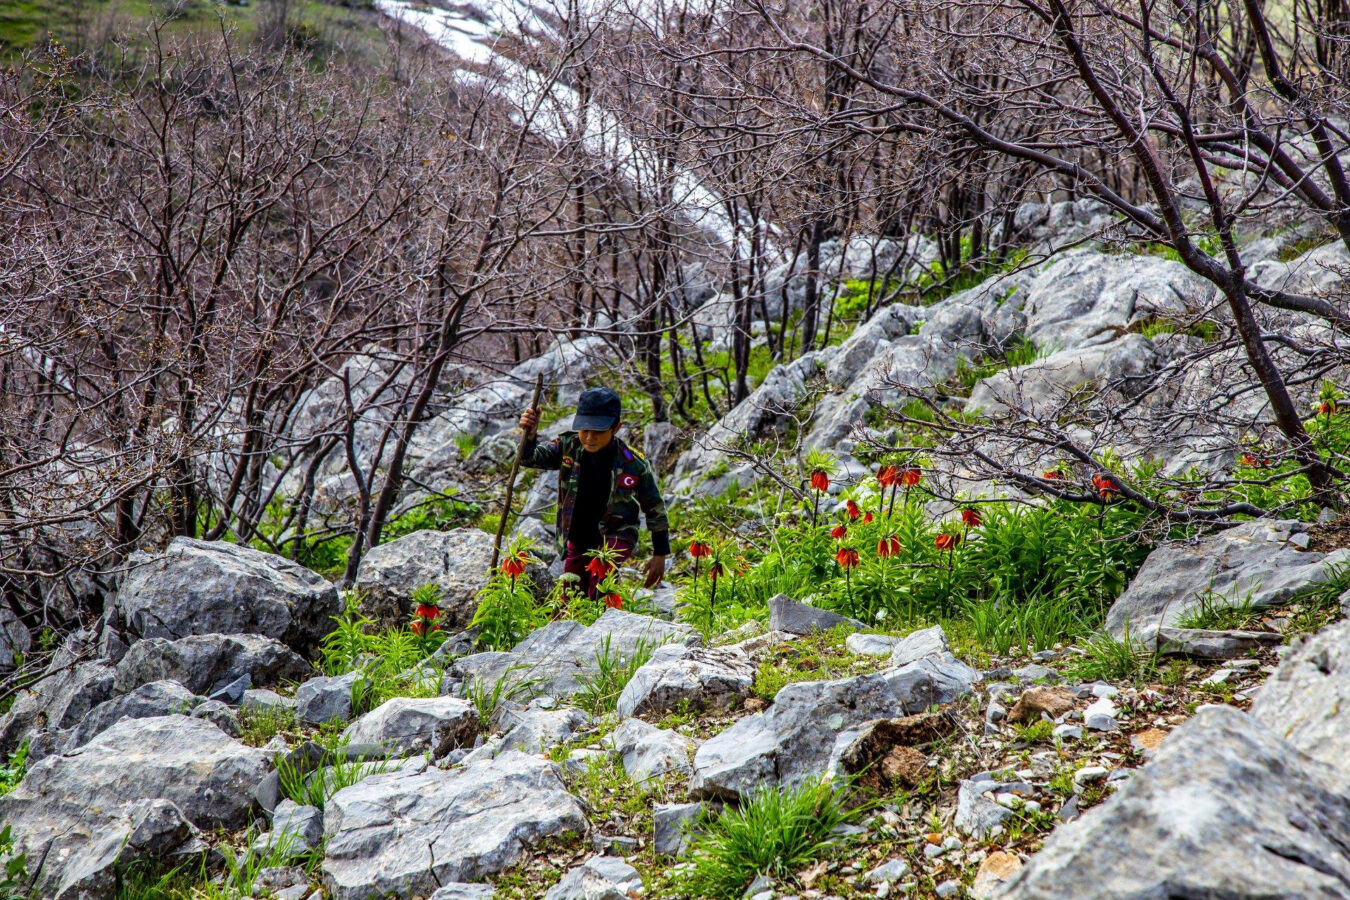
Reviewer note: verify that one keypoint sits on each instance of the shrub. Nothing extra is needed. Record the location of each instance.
(777, 831)
(396, 662)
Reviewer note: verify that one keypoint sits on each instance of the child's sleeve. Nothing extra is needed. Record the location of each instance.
(654, 509)
(542, 456)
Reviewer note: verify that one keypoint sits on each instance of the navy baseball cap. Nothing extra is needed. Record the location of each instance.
(597, 410)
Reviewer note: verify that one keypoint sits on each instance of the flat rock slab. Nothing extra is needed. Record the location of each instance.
(1307, 700)
(794, 739)
(407, 725)
(557, 658)
(698, 677)
(650, 752)
(871, 644)
(68, 805)
(405, 833)
(1226, 809)
(787, 615)
(930, 681)
(535, 730)
(1256, 562)
(215, 587)
(916, 645)
(1203, 643)
(206, 663)
(158, 698)
(598, 878)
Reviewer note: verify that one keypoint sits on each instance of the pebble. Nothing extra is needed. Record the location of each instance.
(1244, 664)
(1219, 676)
(1101, 716)
(1069, 811)
(1101, 689)
(933, 851)
(949, 888)
(1045, 656)
(1068, 732)
(1090, 775)
(888, 872)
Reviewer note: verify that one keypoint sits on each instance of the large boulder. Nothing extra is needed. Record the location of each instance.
(402, 834)
(157, 698)
(794, 739)
(153, 782)
(1307, 700)
(649, 752)
(1258, 563)
(695, 677)
(536, 729)
(407, 725)
(214, 587)
(558, 659)
(59, 701)
(15, 641)
(1226, 809)
(1047, 386)
(206, 663)
(455, 561)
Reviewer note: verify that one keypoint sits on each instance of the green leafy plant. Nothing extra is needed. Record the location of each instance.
(396, 662)
(14, 770)
(776, 832)
(487, 699)
(13, 868)
(600, 689)
(507, 608)
(1110, 659)
(334, 773)
(259, 724)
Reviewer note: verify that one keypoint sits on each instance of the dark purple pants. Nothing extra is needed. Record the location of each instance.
(576, 560)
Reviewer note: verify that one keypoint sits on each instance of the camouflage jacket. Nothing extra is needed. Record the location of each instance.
(632, 487)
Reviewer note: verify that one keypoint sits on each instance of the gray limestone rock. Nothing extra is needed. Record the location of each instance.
(794, 739)
(1225, 809)
(219, 715)
(59, 701)
(1044, 387)
(157, 698)
(1307, 700)
(976, 812)
(535, 730)
(205, 663)
(455, 561)
(915, 646)
(871, 644)
(674, 825)
(598, 878)
(403, 834)
(650, 752)
(296, 830)
(462, 890)
(1253, 562)
(215, 587)
(14, 639)
(404, 725)
(930, 681)
(1199, 643)
(327, 698)
(787, 615)
(702, 678)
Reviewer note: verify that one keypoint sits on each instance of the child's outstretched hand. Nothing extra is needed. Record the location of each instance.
(655, 571)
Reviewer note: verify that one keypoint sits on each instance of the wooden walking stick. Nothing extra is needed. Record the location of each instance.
(511, 480)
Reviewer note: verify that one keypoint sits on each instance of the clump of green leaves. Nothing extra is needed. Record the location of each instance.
(600, 689)
(259, 724)
(14, 875)
(14, 770)
(507, 607)
(334, 773)
(1111, 659)
(487, 699)
(396, 662)
(776, 831)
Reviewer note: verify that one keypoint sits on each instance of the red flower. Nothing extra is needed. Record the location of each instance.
(867, 518)
(853, 511)
(427, 611)
(971, 517)
(515, 565)
(889, 546)
(947, 541)
(599, 568)
(614, 601)
(911, 476)
(839, 532)
(1327, 408)
(1052, 475)
(698, 549)
(888, 475)
(715, 570)
(820, 480)
(627, 481)
(419, 627)
(846, 558)
(1106, 486)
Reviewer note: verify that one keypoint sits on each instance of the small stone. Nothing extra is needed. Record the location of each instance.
(1218, 677)
(673, 824)
(786, 614)
(995, 869)
(871, 644)
(1038, 701)
(598, 877)
(1101, 689)
(1068, 732)
(1101, 716)
(933, 851)
(1090, 775)
(1028, 674)
(1244, 664)
(949, 888)
(1069, 811)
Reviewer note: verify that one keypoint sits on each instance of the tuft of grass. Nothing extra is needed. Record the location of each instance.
(776, 832)
(1317, 605)
(1109, 659)
(600, 691)
(334, 773)
(486, 700)
(259, 724)
(1220, 612)
(1037, 732)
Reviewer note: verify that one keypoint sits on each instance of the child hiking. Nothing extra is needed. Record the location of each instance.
(602, 485)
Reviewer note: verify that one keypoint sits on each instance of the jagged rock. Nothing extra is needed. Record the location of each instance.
(791, 617)
(1319, 271)
(673, 827)
(406, 725)
(405, 833)
(887, 873)
(1101, 716)
(995, 870)
(915, 646)
(57, 702)
(699, 677)
(976, 813)
(650, 752)
(263, 698)
(1307, 700)
(930, 681)
(205, 663)
(535, 730)
(327, 698)
(296, 830)
(1254, 562)
(140, 782)
(219, 715)
(560, 655)
(873, 743)
(660, 442)
(462, 890)
(871, 644)
(598, 878)
(1044, 387)
(455, 561)
(794, 739)
(1199, 643)
(1038, 701)
(1226, 809)
(14, 639)
(158, 698)
(215, 587)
